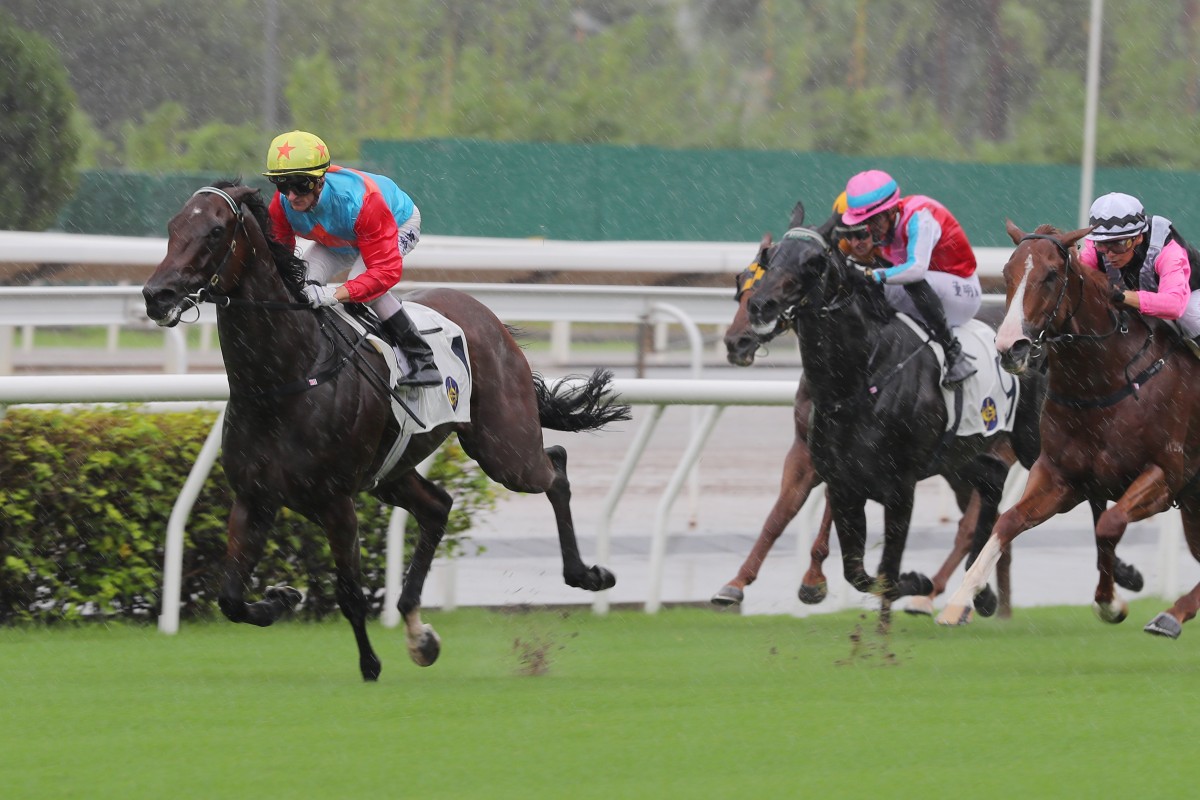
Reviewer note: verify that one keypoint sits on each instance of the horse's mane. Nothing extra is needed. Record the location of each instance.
(1047, 230)
(292, 268)
(874, 301)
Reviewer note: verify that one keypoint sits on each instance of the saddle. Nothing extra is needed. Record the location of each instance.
(420, 409)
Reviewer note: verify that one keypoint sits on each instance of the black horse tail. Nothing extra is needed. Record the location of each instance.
(572, 407)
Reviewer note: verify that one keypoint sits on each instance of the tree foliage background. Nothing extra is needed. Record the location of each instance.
(204, 85)
(38, 146)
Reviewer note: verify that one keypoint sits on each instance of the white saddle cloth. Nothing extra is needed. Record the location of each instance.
(990, 395)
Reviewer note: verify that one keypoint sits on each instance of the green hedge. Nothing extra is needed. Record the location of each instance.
(84, 501)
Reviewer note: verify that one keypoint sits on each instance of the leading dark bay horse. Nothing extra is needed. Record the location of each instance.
(309, 423)
(878, 417)
(742, 345)
(1121, 422)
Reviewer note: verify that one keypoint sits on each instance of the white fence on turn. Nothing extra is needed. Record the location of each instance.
(715, 395)
(457, 253)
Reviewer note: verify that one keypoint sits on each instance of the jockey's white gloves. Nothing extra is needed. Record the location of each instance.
(319, 296)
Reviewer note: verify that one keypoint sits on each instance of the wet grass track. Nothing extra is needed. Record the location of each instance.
(688, 703)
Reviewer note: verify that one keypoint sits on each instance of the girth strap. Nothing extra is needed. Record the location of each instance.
(1131, 388)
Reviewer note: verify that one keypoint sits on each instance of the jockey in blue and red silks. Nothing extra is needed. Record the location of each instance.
(357, 221)
(1150, 265)
(932, 276)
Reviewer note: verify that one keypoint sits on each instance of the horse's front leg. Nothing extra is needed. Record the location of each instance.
(1046, 494)
(430, 506)
(799, 477)
(1145, 497)
(340, 522)
(249, 524)
(897, 517)
(850, 520)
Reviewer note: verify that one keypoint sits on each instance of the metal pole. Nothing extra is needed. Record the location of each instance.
(1088, 169)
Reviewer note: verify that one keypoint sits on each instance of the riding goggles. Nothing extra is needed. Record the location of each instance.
(297, 184)
(1116, 246)
(860, 234)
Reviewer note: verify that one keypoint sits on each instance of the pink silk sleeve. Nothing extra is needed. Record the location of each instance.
(1174, 276)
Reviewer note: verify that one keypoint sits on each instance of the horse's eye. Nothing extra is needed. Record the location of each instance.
(1050, 278)
(216, 232)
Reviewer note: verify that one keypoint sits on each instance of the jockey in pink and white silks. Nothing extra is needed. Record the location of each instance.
(357, 221)
(1149, 263)
(932, 277)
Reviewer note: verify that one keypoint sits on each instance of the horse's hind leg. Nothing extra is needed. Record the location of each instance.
(247, 536)
(1146, 496)
(1127, 576)
(990, 474)
(1170, 622)
(518, 462)
(575, 572)
(340, 523)
(430, 506)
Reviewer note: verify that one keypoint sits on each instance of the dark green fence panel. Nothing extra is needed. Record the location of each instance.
(606, 192)
(118, 203)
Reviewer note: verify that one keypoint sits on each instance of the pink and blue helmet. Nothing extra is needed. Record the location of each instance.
(868, 193)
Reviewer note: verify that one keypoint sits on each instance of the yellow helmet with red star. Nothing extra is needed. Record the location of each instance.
(297, 153)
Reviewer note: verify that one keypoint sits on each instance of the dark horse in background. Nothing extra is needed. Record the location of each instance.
(1121, 422)
(878, 416)
(742, 345)
(309, 422)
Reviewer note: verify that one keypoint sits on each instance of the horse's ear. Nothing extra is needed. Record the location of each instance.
(826, 227)
(1074, 236)
(763, 247)
(1014, 233)
(797, 215)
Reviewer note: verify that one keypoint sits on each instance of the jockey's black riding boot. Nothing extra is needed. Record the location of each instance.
(958, 366)
(403, 334)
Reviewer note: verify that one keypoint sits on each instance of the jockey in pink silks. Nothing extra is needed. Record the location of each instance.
(1148, 262)
(932, 277)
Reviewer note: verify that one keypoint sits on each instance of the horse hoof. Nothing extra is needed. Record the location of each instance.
(920, 606)
(955, 615)
(371, 667)
(910, 584)
(426, 648)
(812, 594)
(728, 596)
(286, 595)
(1113, 612)
(593, 579)
(1128, 577)
(1164, 625)
(986, 602)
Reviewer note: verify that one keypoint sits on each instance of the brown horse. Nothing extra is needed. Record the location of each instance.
(742, 345)
(1121, 420)
(309, 421)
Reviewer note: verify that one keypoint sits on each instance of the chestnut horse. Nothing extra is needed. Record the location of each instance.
(742, 345)
(309, 422)
(1121, 422)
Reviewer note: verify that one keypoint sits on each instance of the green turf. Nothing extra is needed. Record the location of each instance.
(684, 704)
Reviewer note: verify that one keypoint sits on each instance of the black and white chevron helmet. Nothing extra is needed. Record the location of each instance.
(1116, 216)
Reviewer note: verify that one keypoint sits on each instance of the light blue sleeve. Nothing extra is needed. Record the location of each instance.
(924, 232)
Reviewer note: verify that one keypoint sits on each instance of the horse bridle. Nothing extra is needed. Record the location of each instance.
(840, 302)
(206, 293)
(1120, 324)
